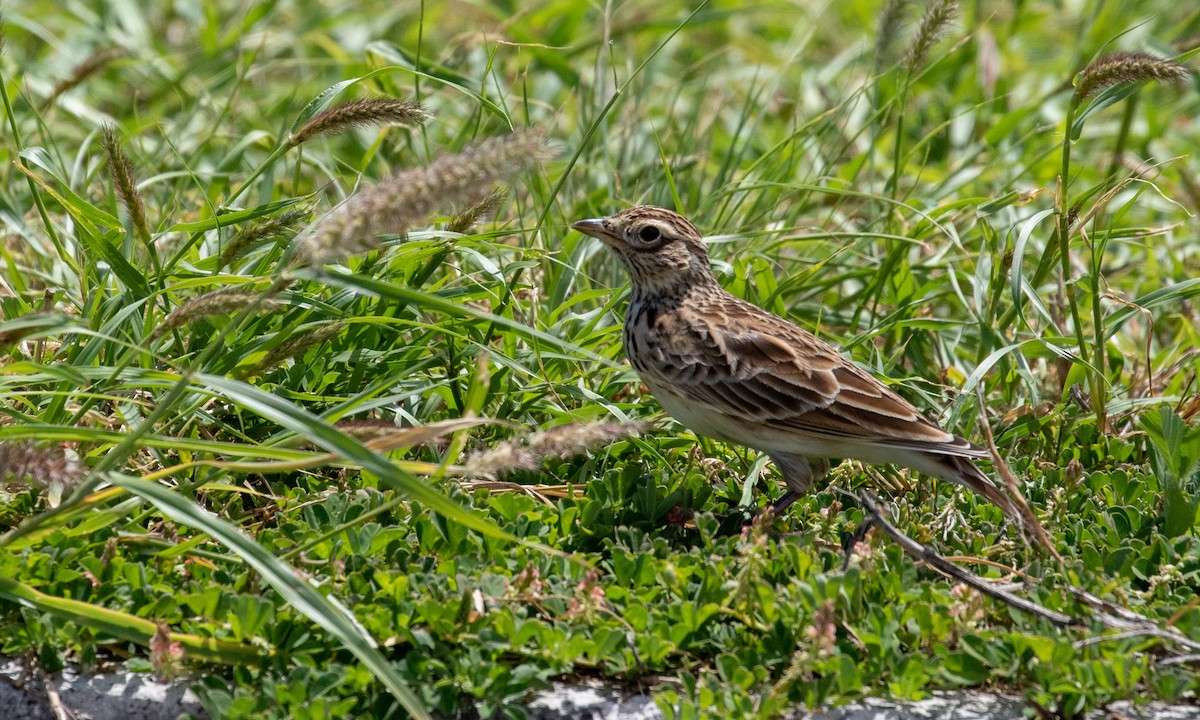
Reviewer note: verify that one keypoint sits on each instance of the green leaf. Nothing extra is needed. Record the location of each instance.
(1018, 285)
(316, 430)
(237, 216)
(1104, 99)
(324, 611)
(1175, 459)
(401, 62)
(70, 200)
(123, 625)
(394, 291)
(1177, 292)
(34, 325)
(127, 273)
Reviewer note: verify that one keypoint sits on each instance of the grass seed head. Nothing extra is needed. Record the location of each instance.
(410, 196)
(891, 18)
(298, 345)
(939, 14)
(121, 171)
(486, 207)
(91, 65)
(219, 302)
(359, 113)
(1120, 68)
(284, 223)
(561, 442)
(42, 466)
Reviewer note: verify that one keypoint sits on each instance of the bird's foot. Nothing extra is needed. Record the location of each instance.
(784, 502)
(853, 539)
(738, 519)
(743, 517)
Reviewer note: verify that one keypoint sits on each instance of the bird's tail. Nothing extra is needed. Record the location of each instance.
(966, 473)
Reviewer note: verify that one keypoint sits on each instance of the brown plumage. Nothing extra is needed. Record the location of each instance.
(730, 370)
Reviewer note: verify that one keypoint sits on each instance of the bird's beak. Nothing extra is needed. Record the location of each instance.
(596, 228)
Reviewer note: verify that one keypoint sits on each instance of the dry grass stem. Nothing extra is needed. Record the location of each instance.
(284, 223)
(486, 207)
(1120, 68)
(219, 302)
(932, 559)
(84, 70)
(410, 196)
(500, 487)
(1028, 520)
(934, 23)
(359, 113)
(121, 171)
(561, 442)
(564, 491)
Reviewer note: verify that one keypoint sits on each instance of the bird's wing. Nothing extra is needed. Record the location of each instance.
(744, 362)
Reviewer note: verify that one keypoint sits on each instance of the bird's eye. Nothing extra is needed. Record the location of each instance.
(649, 234)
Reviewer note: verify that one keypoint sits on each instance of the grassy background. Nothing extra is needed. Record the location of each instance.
(237, 504)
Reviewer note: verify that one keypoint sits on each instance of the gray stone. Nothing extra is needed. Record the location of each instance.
(942, 706)
(103, 696)
(133, 696)
(592, 701)
(595, 701)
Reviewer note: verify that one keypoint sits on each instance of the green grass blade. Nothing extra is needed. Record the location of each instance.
(325, 612)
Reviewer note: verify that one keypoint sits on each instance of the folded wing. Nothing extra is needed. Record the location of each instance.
(741, 361)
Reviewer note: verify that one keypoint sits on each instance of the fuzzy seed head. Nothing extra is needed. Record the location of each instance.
(121, 171)
(219, 302)
(1120, 68)
(359, 113)
(47, 467)
(91, 65)
(891, 18)
(939, 14)
(486, 207)
(298, 345)
(410, 196)
(561, 442)
(285, 223)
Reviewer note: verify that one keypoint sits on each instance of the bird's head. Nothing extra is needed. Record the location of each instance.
(659, 248)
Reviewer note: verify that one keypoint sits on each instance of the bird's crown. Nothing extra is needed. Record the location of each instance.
(644, 229)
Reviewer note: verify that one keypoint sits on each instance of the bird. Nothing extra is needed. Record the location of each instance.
(730, 370)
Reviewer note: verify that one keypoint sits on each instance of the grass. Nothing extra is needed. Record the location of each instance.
(231, 449)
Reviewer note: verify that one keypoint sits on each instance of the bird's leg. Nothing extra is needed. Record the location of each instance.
(850, 540)
(784, 501)
(799, 474)
(854, 539)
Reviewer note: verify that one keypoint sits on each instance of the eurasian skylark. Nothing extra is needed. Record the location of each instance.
(732, 371)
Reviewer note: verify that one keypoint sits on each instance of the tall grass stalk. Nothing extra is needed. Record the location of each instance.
(935, 22)
(1106, 74)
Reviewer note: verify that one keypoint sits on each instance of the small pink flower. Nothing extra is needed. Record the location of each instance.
(166, 655)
